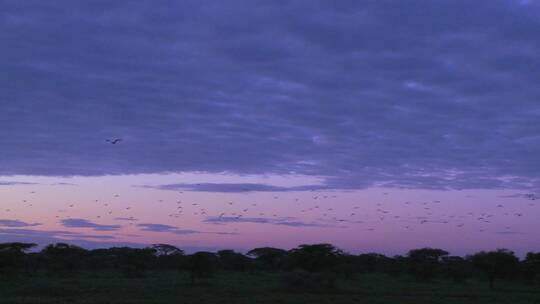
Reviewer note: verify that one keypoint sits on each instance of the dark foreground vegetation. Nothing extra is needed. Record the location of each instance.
(319, 273)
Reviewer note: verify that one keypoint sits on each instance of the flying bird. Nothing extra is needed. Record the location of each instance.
(114, 141)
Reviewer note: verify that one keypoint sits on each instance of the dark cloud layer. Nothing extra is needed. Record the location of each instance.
(509, 232)
(236, 188)
(420, 94)
(286, 221)
(82, 223)
(167, 228)
(16, 223)
(49, 234)
(128, 219)
(89, 241)
(9, 183)
(45, 237)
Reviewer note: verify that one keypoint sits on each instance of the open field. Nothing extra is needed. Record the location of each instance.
(233, 287)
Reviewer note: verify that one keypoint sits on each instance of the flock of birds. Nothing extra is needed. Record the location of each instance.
(318, 209)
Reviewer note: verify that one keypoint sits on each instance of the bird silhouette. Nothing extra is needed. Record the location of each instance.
(114, 141)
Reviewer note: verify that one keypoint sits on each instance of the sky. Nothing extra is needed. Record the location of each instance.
(372, 125)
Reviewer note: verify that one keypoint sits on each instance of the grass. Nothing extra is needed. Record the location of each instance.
(231, 288)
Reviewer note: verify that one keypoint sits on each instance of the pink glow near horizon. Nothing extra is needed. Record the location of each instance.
(387, 220)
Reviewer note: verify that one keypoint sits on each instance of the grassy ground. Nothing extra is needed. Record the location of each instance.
(230, 288)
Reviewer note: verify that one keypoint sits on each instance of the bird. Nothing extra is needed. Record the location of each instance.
(114, 141)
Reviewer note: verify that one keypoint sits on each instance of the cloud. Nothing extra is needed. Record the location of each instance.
(529, 196)
(509, 232)
(285, 221)
(16, 223)
(156, 227)
(10, 183)
(175, 230)
(235, 188)
(45, 237)
(50, 234)
(416, 94)
(129, 219)
(82, 223)
(88, 241)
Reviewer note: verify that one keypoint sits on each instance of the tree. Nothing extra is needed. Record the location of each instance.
(166, 250)
(347, 266)
(395, 265)
(424, 262)
(531, 267)
(64, 259)
(301, 280)
(202, 264)
(268, 258)
(13, 259)
(456, 268)
(231, 260)
(99, 259)
(168, 256)
(134, 262)
(313, 258)
(495, 264)
(370, 262)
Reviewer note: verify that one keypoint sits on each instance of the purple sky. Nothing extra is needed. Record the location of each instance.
(373, 125)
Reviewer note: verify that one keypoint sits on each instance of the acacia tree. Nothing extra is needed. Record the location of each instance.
(168, 256)
(231, 260)
(12, 258)
(268, 258)
(531, 267)
(456, 268)
(424, 262)
(64, 259)
(166, 250)
(496, 264)
(134, 262)
(313, 258)
(201, 264)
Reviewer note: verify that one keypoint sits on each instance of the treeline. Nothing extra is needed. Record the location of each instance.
(316, 265)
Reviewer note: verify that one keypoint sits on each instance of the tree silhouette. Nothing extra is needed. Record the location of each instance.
(100, 259)
(201, 265)
(166, 250)
(424, 262)
(456, 268)
(64, 259)
(13, 258)
(531, 267)
(134, 262)
(496, 264)
(168, 256)
(372, 262)
(307, 266)
(312, 258)
(231, 260)
(268, 258)
(347, 266)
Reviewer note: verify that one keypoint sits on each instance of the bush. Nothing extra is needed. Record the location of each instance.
(304, 280)
(202, 265)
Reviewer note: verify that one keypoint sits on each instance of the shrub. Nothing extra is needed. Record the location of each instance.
(304, 280)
